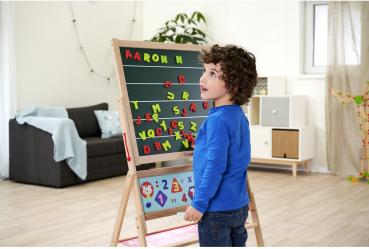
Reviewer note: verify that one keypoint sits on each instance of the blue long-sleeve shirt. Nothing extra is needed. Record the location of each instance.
(220, 161)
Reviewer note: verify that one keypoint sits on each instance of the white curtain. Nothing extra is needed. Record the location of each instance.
(348, 71)
(7, 81)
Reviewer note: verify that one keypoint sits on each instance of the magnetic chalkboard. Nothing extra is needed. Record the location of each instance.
(162, 108)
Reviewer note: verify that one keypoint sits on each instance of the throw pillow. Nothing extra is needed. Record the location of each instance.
(109, 123)
(85, 119)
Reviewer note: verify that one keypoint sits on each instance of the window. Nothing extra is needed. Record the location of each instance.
(316, 37)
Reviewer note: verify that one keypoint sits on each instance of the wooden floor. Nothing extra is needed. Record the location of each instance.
(313, 210)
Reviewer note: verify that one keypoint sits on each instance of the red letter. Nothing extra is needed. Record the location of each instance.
(137, 56)
(190, 138)
(138, 121)
(193, 107)
(157, 145)
(205, 105)
(174, 124)
(128, 54)
(184, 112)
(168, 84)
(146, 149)
(181, 79)
(148, 117)
(158, 132)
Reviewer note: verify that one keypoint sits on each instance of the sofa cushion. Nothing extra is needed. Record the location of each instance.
(85, 120)
(109, 123)
(99, 147)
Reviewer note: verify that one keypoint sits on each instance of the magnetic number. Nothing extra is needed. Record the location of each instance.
(184, 198)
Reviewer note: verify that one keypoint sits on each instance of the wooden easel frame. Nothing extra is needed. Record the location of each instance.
(133, 159)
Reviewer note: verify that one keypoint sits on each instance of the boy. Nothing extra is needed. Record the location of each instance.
(222, 151)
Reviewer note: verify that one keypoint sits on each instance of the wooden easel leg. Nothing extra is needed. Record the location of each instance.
(140, 218)
(122, 210)
(255, 216)
(141, 230)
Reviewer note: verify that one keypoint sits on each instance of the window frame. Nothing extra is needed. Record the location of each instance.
(308, 27)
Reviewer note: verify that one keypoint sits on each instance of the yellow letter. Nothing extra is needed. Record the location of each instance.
(155, 117)
(178, 135)
(180, 125)
(164, 125)
(147, 57)
(185, 143)
(185, 95)
(176, 110)
(151, 133)
(164, 59)
(170, 96)
(166, 145)
(193, 126)
(155, 58)
(142, 135)
(156, 108)
(135, 104)
(179, 59)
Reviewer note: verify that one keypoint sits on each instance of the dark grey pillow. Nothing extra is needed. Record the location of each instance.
(85, 120)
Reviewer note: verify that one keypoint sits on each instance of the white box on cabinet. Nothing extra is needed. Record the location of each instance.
(282, 111)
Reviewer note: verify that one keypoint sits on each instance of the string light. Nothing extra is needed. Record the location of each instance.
(91, 69)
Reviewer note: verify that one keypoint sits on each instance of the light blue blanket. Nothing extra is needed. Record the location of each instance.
(67, 143)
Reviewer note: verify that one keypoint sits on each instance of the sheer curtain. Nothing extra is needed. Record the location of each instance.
(7, 81)
(348, 71)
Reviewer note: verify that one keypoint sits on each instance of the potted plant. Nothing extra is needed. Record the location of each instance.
(183, 29)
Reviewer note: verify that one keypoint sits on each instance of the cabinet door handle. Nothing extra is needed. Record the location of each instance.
(274, 112)
(266, 142)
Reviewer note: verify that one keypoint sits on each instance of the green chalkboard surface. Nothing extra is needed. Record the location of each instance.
(160, 87)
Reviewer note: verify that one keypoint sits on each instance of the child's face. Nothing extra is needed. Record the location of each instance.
(212, 85)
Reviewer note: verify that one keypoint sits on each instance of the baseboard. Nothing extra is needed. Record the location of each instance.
(319, 169)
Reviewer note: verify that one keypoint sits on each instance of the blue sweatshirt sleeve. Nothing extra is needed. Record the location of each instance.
(216, 162)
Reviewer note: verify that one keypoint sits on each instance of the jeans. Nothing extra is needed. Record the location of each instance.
(224, 228)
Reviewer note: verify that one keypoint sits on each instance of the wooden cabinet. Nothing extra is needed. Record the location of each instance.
(278, 131)
(285, 143)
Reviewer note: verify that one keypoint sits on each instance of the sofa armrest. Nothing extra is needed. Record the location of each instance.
(31, 154)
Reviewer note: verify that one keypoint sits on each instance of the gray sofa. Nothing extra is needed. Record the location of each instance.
(31, 152)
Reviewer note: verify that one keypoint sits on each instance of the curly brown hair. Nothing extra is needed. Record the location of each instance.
(239, 70)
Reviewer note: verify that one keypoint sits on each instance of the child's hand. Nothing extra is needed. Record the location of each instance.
(192, 214)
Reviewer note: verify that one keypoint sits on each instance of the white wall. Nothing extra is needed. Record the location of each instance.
(272, 31)
(52, 71)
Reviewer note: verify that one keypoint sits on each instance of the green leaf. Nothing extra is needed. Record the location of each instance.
(177, 17)
(200, 17)
(359, 100)
(200, 33)
(193, 15)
